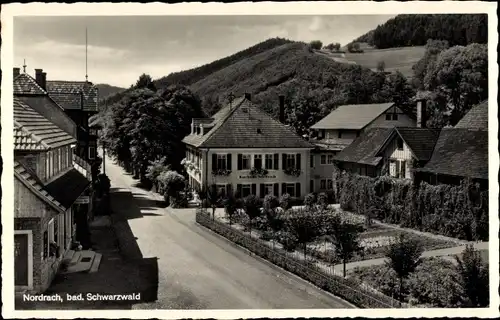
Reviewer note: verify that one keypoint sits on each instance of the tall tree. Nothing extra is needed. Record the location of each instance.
(145, 82)
(252, 206)
(305, 227)
(404, 257)
(345, 238)
(474, 277)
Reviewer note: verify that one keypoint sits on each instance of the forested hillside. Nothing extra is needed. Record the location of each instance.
(414, 30)
(190, 76)
(312, 84)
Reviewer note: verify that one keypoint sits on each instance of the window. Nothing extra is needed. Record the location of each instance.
(222, 161)
(91, 153)
(326, 184)
(245, 162)
(268, 189)
(246, 190)
(311, 185)
(322, 184)
(290, 189)
(400, 144)
(221, 190)
(340, 133)
(93, 132)
(311, 160)
(290, 160)
(388, 116)
(329, 184)
(394, 116)
(257, 161)
(330, 159)
(269, 161)
(323, 159)
(51, 235)
(51, 164)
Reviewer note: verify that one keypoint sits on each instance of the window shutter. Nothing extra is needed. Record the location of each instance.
(276, 189)
(214, 162)
(229, 161)
(283, 161)
(254, 189)
(312, 161)
(240, 161)
(228, 189)
(238, 190)
(297, 163)
(283, 188)
(311, 186)
(262, 190)
(297, 190)
(276, 161)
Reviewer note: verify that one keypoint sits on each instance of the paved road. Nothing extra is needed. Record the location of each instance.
(199, 270)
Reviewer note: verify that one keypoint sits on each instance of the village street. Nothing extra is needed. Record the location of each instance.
(197, 269)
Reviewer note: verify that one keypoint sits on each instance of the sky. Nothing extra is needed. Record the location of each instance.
(121, 48)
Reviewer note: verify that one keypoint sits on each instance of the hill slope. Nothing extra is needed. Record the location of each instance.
(191, 76)
(309, 81)
(106, 90)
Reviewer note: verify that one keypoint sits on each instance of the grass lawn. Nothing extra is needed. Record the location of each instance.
(401, 59)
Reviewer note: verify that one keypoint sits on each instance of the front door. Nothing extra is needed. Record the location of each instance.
(21, 259)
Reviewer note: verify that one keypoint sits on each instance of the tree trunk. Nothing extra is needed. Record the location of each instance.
(344, 262)
(401, 289)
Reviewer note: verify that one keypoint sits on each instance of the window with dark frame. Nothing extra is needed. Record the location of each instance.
(323, 159)
(340, 134)
(222, 161)
(246, 190)
(400, 144)
(290, 160)
(290, 189)
(322, 184)
(245, 162)
(269, 161)
(91, 153)
(257, 161)
(330, 159)
(311, 161)
(269, 189)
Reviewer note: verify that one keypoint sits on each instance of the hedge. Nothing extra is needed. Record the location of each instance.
(458, 211)
(347, 289)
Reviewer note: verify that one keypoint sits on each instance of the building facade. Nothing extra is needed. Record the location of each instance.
(344, 125)
(47, 188)
(244, 151)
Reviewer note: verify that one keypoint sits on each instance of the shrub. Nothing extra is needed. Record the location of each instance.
(316, 44)
(310, 200)
(285, 202)
(267, 235)
(322, 201)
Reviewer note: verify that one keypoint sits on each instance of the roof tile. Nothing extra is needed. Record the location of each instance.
(476, 118)
(364, 148)
(355, 116)
(68, 94)
(26, 85)
(244, 125)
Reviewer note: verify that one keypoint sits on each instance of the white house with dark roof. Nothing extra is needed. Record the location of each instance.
(244, 150)
(341, 127)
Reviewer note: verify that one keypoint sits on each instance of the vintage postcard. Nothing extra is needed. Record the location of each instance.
(335, 159)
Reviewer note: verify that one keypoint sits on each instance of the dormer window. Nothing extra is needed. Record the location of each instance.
(259, 131)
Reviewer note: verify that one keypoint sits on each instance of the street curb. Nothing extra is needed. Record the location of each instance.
(272, 265)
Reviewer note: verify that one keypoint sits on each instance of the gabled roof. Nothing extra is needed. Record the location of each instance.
(476, 118)
(29, 179)
(34, 132)
(67, 188)
(460, 152)
(244, 125)
(364, 148)
(24, 84)
(353, 116)
(68, 94)
(421, 141)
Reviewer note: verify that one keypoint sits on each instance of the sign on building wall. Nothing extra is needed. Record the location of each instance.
(82, 200)
(260, 177)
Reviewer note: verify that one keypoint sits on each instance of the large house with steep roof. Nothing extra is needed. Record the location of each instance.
(460, 152)
(47, 189)
(78, 99)
(343, 126)
(243, 150)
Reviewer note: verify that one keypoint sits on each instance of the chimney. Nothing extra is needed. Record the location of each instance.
(282, 108)
(44, 80)
(421, 113)
(17, 71)
(248, 96)
(39, 78)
